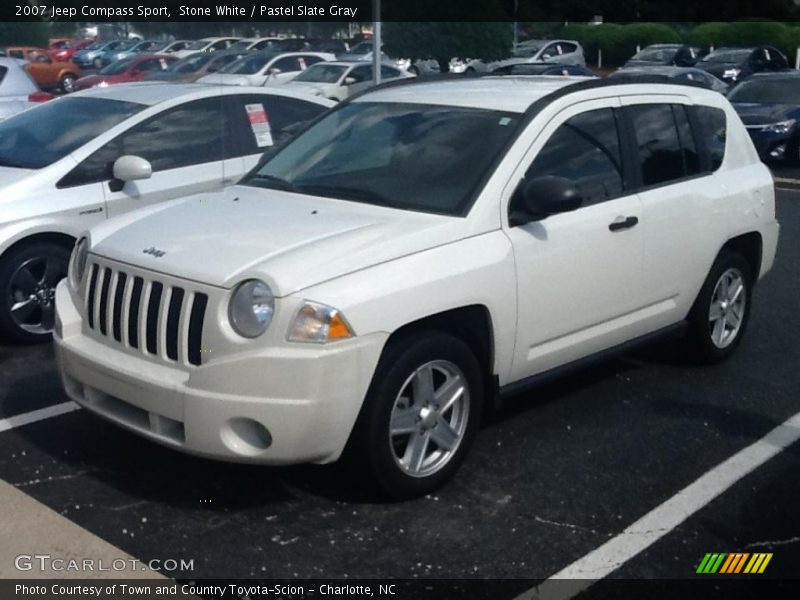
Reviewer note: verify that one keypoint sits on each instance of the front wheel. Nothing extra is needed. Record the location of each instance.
(28, 279)
(721, 311)
(419, 418)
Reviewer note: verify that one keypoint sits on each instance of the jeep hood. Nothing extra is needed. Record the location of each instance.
(291, 241)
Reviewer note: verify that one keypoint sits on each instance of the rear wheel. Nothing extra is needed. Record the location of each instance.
(420, 415)
(98, 63)
(28, 279)
(721, 311)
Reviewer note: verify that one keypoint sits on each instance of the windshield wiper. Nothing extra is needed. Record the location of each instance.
(346, 193)
(4, 162)
(273, 182)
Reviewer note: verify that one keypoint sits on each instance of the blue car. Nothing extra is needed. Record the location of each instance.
(90, 56)
(769, 105)
(108, 55)
(150, 46)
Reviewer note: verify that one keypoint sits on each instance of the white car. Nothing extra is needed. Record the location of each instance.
(18, 91)
(564, 52)
(265, 68)
(209, 44)
(414, 253)
(340, 80)
(78, 160)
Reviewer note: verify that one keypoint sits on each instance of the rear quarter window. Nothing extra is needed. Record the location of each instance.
(713, 129)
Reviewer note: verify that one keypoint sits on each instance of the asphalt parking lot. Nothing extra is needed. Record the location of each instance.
(558, 472)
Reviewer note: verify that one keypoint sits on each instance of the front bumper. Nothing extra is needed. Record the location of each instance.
(308, 396)
(774, 146)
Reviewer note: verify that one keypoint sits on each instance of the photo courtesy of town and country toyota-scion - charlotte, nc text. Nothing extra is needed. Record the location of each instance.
(221, 10)
(194, 590)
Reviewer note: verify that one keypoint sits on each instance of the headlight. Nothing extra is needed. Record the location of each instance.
(731, 73)
(251, 308)
(319, 323)
(77, 263)
(780, 127)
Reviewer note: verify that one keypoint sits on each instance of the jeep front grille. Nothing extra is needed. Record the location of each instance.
(145, 314)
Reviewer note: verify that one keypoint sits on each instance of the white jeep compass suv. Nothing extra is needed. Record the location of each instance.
(375, 282)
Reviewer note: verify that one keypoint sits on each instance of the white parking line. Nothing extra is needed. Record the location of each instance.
(606, 559)
(37, 415)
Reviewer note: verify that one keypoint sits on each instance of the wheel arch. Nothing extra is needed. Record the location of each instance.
(750, 246)
(61, 239)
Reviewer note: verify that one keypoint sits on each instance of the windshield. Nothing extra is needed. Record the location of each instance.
(248, 65)
(42, 135)
(241, 45)
(95, 45)
(191, 64)
(767, 91)
(322, 73)
(361, 48)
(149, 46)
(407, 156)
(656, 54)
(727, 56)
(118, 67)
(198, 45)
(126, 45)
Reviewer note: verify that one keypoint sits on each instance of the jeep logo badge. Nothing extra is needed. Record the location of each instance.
(154, 251)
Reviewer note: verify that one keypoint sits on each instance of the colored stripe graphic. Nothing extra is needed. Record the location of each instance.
(736, 562)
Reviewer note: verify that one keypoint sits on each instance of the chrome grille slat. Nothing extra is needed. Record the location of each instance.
(145, 315)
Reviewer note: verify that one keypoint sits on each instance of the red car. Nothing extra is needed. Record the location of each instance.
(63, 50)
(126, 70)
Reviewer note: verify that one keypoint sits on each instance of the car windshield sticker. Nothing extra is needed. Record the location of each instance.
(259, 124)
(302, 62)
(505, 121)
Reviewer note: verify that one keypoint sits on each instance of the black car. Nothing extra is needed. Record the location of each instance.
(769, 105)
(680, 74)
(731, 65)
(544, 69)
(666, 55)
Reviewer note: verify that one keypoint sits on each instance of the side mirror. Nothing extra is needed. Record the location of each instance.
(541, 197)
(129, 168)
(349, 80)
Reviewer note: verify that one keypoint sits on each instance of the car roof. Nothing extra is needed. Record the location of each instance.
(151, 93)
(787, 74)
(515, 93)
(509, 93)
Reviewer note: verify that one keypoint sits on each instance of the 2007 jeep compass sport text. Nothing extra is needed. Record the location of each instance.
(374, 282)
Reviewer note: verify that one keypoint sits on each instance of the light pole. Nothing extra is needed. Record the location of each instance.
(376, 41)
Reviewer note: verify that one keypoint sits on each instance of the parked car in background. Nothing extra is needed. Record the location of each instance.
(91, 55)
(363, 51)
(667, 55)
(196, 66)
(731, 65)
(545, 69)
(52, 75)
(338, 80)
(564, 52)
(25, 54)
(66, 50)
(262, 68)
(108, 54)
(694, 74)
(128, 70)
(80, 159)
(18, 91)
(174, 46)
(769, 106)
(260, 43)
(209, 44)
(410, 257)
(140, 47)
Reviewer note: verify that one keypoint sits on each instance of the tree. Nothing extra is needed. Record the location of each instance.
(442, 41)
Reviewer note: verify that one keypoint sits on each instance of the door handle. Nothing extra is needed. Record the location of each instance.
(621, 223)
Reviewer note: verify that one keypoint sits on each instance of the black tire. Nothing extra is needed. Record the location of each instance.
(47, 265)
(701, 331)
(67, 83)
(98, 63)
(372, 453)
(413, 70)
